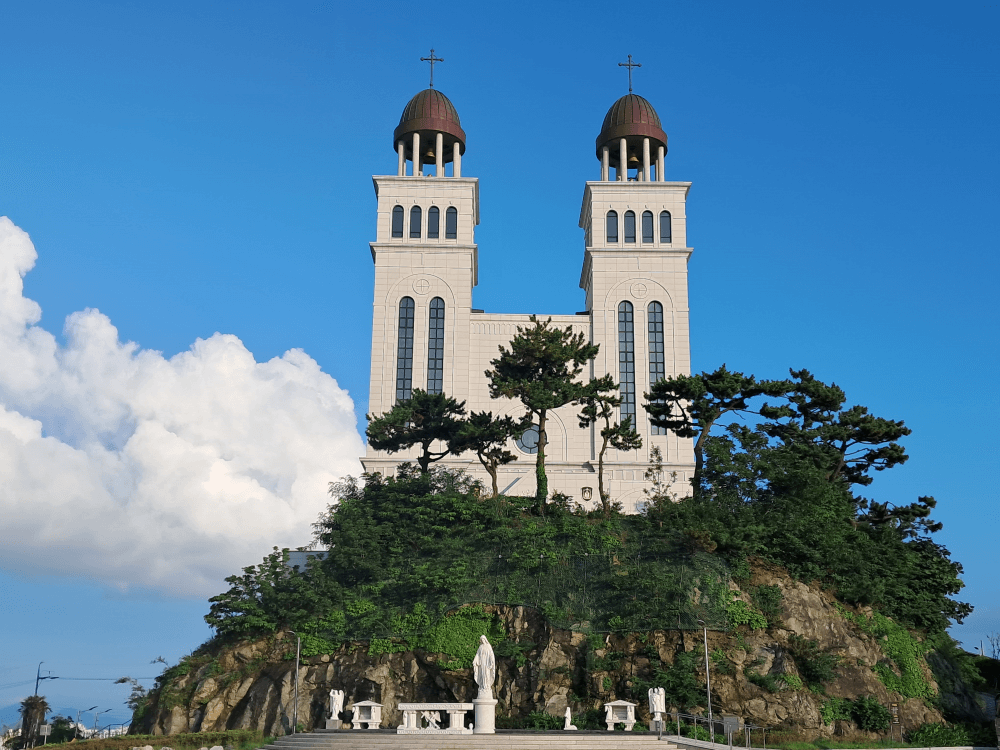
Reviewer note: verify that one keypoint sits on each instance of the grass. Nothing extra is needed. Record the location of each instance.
(238, 739)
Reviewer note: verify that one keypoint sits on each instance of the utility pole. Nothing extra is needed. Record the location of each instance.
(39, 678)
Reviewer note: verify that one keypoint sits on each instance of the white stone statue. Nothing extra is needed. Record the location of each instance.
(568, 725)
(657, 703)
(336, 704)
(484, 667)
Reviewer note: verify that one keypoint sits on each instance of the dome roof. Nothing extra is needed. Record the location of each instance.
(427, 113)
(632, 118)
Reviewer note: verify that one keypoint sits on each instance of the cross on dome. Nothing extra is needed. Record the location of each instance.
(628, 65)
(433, 60)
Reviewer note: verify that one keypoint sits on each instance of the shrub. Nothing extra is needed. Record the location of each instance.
(835, 709)
(870, 715)
(939, 735)
(768, 600)
(815, 666)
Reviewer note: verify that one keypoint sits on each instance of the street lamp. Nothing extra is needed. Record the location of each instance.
(77, 725)
(708, 683)
(98, 714)
(295, 700)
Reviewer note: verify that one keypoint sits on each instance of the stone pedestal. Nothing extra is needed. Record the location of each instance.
(333, 723)
(486, 713)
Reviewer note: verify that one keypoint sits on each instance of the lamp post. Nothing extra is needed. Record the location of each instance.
(295, 700)
(708, 682)
(77, 725)
(95, 718)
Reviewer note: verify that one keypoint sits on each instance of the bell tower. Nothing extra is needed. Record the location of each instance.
(426, 263)
(635, 266)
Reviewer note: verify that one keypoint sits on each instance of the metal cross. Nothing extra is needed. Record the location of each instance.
(433, 60)
(628, 65)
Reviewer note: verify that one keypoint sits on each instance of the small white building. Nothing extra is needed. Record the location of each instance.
(427, 334)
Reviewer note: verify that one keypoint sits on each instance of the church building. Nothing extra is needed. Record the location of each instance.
(427, 333)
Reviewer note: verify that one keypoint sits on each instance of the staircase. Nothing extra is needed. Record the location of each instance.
(387, 739)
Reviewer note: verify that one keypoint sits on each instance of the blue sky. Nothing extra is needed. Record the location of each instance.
(191, 169)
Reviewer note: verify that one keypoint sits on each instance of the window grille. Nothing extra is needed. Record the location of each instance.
(416, 215)
(630, 226)
(612, 226)
(665, 229)
(451, 224)
(397, 221)
(647, 227)
(404, 350)
(657, 363)
(626, 360)
(433, 221)
(435, 347)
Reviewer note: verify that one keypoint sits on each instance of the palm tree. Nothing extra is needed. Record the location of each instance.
(33, 710)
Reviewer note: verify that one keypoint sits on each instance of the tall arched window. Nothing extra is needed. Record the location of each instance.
(630, 226)
(626, 360)
(433, 220)
(415, 221)
(397, 221)
(647, 227)
(404, 350)
(657, 363)
(435, 347)
(451, 223)
(665, 232)
(612, 226)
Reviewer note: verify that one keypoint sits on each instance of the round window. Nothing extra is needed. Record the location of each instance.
(528, 441)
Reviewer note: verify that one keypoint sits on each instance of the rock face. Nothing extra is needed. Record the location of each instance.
(250, 685)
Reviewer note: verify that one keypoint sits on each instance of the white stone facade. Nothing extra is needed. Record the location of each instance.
(639, 273)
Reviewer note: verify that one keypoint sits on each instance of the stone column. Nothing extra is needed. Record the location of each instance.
(660, 177)
(605, 168)
(622, 161)
(416, 154)
(439, 155)
(486, 713)
(401, 161)
(645, 159)
(456, 160)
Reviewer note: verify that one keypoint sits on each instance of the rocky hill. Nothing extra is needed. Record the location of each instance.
(799, 672)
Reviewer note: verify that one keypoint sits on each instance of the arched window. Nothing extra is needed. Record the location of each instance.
(612, 226)
(415, 221)
(404, 350)
(451, 223)
(433, 220)
(657, 364)
(647, 227)
(630, 226)
(665, 232)
(397, 221)
(626, 360)
(435, 347)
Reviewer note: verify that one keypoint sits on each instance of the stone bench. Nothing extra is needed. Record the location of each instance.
(416, 713)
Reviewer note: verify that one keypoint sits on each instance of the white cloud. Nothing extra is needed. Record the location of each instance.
(135, 470)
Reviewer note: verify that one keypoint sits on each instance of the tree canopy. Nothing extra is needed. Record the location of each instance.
(541, 369)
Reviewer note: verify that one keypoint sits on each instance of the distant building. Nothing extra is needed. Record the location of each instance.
(427, 334)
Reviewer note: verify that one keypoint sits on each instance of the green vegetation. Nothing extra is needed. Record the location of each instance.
(816, 667)
(239, 739)
(867, 712)
(902, 648)
(414, 558)
(406, 550)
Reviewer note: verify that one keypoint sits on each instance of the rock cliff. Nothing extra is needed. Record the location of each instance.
(755, 674)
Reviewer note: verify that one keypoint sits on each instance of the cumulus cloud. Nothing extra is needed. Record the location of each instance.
(135, 470)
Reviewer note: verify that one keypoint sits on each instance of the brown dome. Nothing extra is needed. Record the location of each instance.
(632, 118)
(428, 113)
